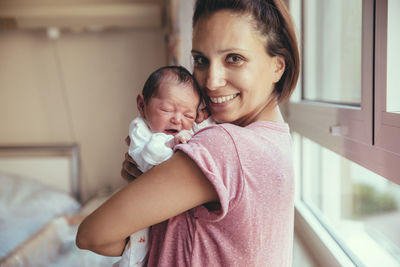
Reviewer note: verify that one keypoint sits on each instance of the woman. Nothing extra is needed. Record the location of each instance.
(226, 197)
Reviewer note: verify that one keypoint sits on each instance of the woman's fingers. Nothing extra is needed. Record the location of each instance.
(126, 176)
(129, 169)
(128, 140)
(129, 158)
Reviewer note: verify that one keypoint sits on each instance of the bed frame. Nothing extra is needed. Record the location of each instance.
(53, 165)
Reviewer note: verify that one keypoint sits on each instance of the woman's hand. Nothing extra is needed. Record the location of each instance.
(129, 169)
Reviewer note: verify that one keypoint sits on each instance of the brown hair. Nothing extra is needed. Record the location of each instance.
(272, 19)
(181, 74)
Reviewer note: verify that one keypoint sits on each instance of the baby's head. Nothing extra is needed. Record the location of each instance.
(169, 100)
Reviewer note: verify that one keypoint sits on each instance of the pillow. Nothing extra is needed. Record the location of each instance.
(25, 206)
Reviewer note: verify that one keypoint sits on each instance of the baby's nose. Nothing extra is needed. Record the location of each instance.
(177, 118)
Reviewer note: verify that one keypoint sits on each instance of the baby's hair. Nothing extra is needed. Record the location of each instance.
(181, 74)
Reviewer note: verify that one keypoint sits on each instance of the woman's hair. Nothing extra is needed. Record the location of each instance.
(179, 73)
(271, 19)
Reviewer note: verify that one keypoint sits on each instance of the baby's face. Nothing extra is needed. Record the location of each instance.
(172, 109)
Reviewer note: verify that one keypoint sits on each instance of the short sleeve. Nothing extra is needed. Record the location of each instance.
(214, 151)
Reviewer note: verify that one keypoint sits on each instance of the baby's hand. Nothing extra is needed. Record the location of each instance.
(182, 137)
(202, 114)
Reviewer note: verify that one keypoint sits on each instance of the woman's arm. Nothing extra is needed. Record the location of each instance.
(164, 191)
(112, 249)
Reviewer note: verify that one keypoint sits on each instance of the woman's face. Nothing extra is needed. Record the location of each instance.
(232, 66)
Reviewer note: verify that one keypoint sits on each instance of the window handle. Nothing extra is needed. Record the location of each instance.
(338, 130)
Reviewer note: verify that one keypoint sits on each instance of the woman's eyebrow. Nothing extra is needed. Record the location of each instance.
(195, 51)
(233, 49)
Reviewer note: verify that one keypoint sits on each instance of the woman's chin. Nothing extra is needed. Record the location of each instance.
(223, 118)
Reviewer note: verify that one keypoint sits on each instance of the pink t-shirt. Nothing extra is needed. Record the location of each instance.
(251, 170)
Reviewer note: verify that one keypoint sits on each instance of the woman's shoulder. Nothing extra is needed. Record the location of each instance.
(211, 136)
(267, 138)
(217, 135)
(259, 126)
(227, 136)
(253, 128)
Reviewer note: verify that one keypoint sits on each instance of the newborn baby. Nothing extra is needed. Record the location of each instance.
(168, 107)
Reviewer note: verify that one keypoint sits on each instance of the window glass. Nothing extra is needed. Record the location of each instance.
(295, 10)
(358, 207)
(393, 57)
(332, 51)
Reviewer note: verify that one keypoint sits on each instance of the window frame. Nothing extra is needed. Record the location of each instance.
(365, 135)
(387, 125)
(362, 134)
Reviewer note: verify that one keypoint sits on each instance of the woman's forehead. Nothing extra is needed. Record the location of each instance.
(225, 30)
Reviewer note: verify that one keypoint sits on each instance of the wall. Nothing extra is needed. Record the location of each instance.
(80, 88)
(184, 28)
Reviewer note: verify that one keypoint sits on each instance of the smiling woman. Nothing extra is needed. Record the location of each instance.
(236, 72)
(200, 201)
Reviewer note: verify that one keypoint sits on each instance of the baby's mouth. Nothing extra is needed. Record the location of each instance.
(171, 131)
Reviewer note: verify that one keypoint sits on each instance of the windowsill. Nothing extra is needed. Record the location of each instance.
(327, 252)
(322, 247)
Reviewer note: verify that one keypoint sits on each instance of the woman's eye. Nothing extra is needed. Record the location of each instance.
(199, 60)
(234, 59)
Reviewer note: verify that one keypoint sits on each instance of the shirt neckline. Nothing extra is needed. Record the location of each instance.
(278, 126)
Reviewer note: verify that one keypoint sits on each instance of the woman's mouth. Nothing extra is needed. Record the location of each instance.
(222, 99)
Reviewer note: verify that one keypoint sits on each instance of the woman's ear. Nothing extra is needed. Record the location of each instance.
(279, 69)
(140, 104)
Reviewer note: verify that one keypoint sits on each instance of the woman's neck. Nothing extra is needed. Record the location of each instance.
(272, 114)
(269, 112)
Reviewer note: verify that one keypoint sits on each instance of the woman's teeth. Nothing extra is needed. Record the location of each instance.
(222, 99)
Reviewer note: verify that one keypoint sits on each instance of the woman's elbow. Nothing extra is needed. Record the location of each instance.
(85, 240)
(81, 240)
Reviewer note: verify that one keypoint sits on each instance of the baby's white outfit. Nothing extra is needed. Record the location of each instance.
(148, 149)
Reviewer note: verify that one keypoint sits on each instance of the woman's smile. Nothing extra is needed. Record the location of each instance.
(222, 99)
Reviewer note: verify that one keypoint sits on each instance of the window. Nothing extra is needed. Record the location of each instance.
(333, 51)
(346, 119)
(359, 208)
(393, 58)
(387, 80)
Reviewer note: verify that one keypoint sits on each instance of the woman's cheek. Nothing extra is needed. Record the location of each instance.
(200, 78)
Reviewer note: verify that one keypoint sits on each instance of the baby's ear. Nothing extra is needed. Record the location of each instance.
(140, 104)
(202, 114)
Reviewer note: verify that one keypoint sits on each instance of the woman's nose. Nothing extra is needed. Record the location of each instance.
(215, 77)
